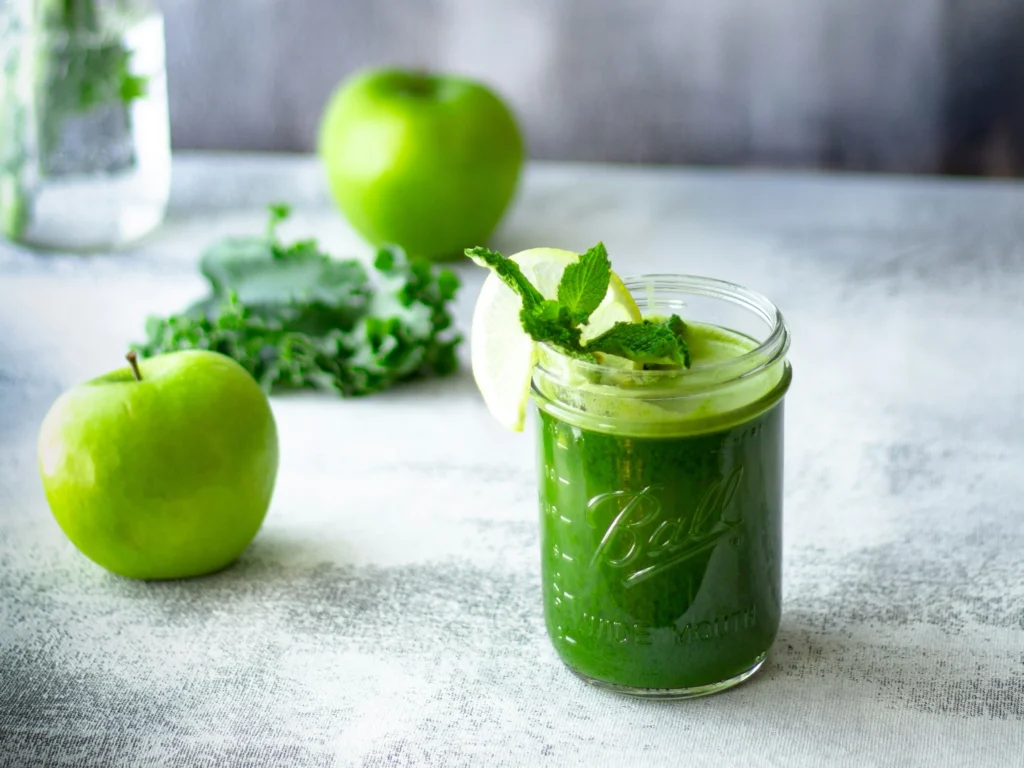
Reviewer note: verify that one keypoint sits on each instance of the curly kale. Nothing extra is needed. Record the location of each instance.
(296, 318)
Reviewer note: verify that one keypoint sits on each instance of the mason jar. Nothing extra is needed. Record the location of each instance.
(661, 498)
(85, 154)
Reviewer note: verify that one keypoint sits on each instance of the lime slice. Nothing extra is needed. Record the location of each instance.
(503, 356)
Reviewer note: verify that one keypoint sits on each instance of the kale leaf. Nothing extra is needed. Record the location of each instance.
(296, 318)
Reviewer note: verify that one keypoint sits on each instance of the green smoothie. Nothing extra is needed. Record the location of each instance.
(661, 506)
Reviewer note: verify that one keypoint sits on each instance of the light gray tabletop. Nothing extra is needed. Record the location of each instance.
(389, 611)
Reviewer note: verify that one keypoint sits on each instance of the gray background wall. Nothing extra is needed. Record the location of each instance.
(900, 85)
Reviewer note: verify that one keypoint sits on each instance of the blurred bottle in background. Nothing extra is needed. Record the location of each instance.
(84, 133)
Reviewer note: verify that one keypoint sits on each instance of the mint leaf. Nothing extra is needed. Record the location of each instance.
(551, 322)
(678, 327)
(544, 320)
(584, 284)
(510, 274)
(644, 342)
(133, 87)
(278, 213)
(580, 291)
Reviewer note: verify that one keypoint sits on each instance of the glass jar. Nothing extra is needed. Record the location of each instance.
(85, 157)
(661, 499)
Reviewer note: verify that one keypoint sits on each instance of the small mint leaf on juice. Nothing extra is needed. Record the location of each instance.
(643, 342)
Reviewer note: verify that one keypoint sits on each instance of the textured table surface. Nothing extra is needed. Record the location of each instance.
(389, 611)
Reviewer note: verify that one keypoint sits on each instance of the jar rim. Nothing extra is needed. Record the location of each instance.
(767, 353)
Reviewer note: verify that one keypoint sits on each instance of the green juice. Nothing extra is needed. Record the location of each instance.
(661, 518)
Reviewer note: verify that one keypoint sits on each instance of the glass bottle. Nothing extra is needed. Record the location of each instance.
(85, 156)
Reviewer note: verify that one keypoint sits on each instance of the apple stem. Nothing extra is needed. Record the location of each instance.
(133, 361)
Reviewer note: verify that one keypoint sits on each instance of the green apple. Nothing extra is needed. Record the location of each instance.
(163, 470)
(428, 162)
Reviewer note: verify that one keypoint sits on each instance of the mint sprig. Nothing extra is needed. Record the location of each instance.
(581, 290)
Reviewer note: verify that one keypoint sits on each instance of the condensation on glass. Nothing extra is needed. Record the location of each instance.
(85, 157)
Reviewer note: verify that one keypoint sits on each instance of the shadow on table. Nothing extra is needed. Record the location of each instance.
(869, 661)
(274, 553)
(459, 382)
(312, 590)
